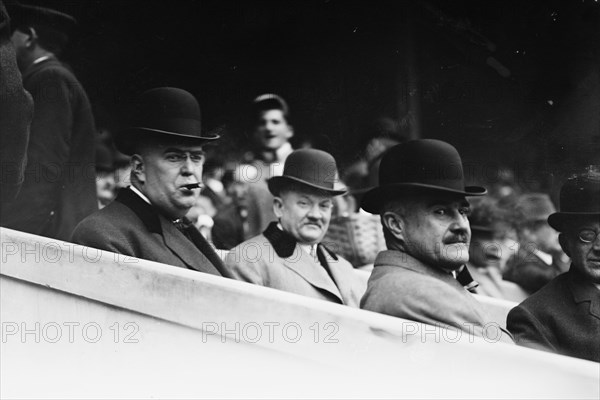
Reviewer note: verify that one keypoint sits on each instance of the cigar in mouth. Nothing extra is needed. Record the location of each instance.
(191, 186)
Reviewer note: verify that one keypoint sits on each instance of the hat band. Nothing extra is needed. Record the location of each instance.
(182, 126)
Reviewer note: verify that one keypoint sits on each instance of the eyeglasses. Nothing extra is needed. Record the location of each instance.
(587, 235)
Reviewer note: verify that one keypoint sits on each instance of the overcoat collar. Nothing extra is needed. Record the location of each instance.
(396, 258)
(583, 290)
(310, 269)
(144, 211)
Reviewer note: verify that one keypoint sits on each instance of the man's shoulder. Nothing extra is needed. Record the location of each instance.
(551, 294)
(115, 216)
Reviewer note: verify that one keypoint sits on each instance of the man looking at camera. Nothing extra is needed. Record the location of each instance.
(424, 212)
(147, 220)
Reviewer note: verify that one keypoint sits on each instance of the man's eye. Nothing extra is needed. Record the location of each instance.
(302, 203)
(465, 211)
(440, 211)
(174, 157)
(197, 158)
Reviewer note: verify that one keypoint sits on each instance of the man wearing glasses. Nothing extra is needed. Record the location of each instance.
(147, 220)
(564, 316)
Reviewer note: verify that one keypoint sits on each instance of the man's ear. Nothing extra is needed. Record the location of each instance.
(31, 35)
(564, 244)
(394, 224)
(138, 168)
(278, 206)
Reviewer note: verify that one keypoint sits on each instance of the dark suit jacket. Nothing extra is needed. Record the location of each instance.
(563, 317)
(132, 227)
(16, 110)
(59, 189)
(404, 287)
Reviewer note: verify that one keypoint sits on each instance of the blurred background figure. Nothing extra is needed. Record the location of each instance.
(59, 188)
(16, 108)
(231, 224)
(493, 241)
(382, 134)
(540, 257)
(105, 175)
(271, 134)
(201, 215)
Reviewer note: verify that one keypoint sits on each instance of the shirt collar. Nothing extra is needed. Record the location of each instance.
(41, 59)
(545, 257)
(136, 191)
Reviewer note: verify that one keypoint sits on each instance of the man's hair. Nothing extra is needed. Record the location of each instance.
(400, 205)
(268, 102)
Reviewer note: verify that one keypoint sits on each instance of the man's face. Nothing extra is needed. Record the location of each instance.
(585, 257)
(304, 215)
(492, 248)
(547, 238)
(437, 231)
(165, 170)
(272, 130)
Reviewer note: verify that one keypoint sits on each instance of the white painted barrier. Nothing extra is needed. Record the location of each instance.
(78, 322)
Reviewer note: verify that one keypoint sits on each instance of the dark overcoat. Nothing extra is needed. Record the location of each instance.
(132, 227)
(59, 189)
(562, 317)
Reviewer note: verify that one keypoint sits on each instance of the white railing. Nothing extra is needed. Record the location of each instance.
(204, 336)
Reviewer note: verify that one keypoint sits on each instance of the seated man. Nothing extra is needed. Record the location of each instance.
(146, 219)
(288, 255)
(564, 316)
(493, 240)
(421, 199)
(538, 260)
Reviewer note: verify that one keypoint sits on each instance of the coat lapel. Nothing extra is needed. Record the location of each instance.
(183, 248)
(311, 271)
(341, 277)
(584, 291)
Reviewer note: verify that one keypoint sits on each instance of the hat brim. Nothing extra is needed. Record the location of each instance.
(277, 182)
(127, 138)
(375, 198)
(558, 220)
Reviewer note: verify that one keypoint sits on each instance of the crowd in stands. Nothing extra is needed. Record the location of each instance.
(287, 218)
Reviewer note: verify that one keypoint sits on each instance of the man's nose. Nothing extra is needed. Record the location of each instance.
(460, 223)
(315, 212)
(189, 167)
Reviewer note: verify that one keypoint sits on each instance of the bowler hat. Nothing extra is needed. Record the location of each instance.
(579, 196)
(423, 165)
(271, 101)
(534, 207)
(167, 113)
(33, 15)
(312, 168)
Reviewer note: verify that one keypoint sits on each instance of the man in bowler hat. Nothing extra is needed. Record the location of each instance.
(147, 220)
(424, 212)
(59, 189)
(289, 254)
(564, 316)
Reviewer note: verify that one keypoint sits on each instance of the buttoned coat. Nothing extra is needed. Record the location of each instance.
(404, 287)
(274, 259)
(132, 227)
(59, 189)
(562, 317)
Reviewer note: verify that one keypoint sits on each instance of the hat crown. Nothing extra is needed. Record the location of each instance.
(581, 194)
(315, 167)
(168, 109)
(426, 161)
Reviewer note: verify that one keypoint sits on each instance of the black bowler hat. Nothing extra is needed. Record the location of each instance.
(312, 168)
(423, 165)
(33, 15)
(579, 196)
(167, 113)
